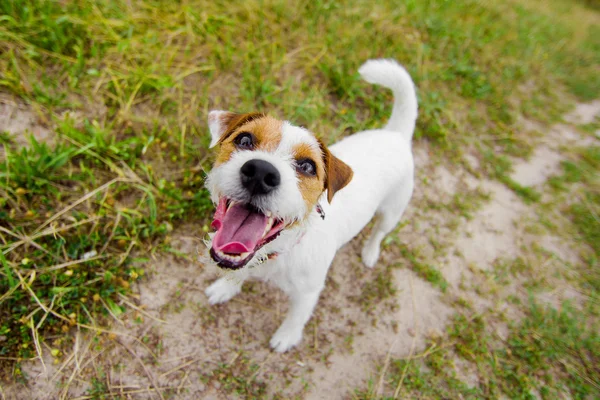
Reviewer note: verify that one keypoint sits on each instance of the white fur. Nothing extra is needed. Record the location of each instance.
(382, 186)
(293, 135)
(390, 74)
(215, 126)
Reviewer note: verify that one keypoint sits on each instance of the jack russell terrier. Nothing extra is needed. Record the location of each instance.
(286, 203)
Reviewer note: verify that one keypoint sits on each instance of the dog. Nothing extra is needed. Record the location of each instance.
(285, 202)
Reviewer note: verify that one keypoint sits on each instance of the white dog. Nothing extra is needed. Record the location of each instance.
(286, 203)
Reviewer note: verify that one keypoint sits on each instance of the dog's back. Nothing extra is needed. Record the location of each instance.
(382, 163)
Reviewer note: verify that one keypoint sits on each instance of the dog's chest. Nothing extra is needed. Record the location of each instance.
(275, 271)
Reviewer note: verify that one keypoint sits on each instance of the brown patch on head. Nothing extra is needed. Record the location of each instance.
(337, 173)
(311, 187)
(265, 130)
(231, 121)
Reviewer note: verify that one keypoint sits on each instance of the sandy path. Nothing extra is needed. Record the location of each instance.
(186, 349)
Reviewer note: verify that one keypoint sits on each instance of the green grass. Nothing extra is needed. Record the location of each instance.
(239, 378)
(551, 352)
(426, 271)
(73, 217)
(463, 203)
(499, 167)
(377, 290)
(578, 191)
(126, 87)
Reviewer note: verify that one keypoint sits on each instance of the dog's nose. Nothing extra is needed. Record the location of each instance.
(259, 176)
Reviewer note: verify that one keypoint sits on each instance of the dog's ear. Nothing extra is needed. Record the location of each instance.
(337, 173)
(222, 124)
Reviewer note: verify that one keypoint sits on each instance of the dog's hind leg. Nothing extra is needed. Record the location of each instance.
(388, 215)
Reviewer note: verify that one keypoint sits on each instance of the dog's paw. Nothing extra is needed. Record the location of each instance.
(285, 338)
(222, 290)
(370, 255)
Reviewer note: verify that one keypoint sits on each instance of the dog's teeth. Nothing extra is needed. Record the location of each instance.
(268, 214)
(231, 257)
(269, 226)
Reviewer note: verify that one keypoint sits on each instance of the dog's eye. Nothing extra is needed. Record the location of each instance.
(306, 167)
(244, 141)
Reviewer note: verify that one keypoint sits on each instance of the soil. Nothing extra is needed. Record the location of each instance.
(21, 121)
(174, 345)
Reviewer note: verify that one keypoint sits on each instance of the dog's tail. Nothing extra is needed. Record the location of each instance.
(393, 76)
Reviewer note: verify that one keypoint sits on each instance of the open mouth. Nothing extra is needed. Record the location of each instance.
(242, 230)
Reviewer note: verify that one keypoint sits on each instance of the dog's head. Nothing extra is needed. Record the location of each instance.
(268, 176)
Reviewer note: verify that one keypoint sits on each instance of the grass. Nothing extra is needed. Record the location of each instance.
(500, 168)
(426, 271)
(239, 378)
(125, 88)
(463, 203)
(74, 216)
(581, 173)
(577, 189)
(377, 290)
(551, 353)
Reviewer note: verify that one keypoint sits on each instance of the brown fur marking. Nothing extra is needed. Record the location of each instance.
(266, 131)
(232, 121)
(338, 173)
(310, 187)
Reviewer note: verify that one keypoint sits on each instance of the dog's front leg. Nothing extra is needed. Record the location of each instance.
(223, 289)
(289, 333)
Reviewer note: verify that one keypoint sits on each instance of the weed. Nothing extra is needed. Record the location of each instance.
(500, 168)
(467, 204)
(99, 388)
(463, 203)
(424, 270)
(578, 190)
(239, 377)
(434, 379)
(550, 352)
(505, 270)
(377, 290)
(472, 342)
(554, 341)
(592, 127)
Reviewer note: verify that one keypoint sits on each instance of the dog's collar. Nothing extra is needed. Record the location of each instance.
(266, 257)
(320, 211)
(271, 256)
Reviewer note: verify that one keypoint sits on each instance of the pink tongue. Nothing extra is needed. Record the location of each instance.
(239, 230)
